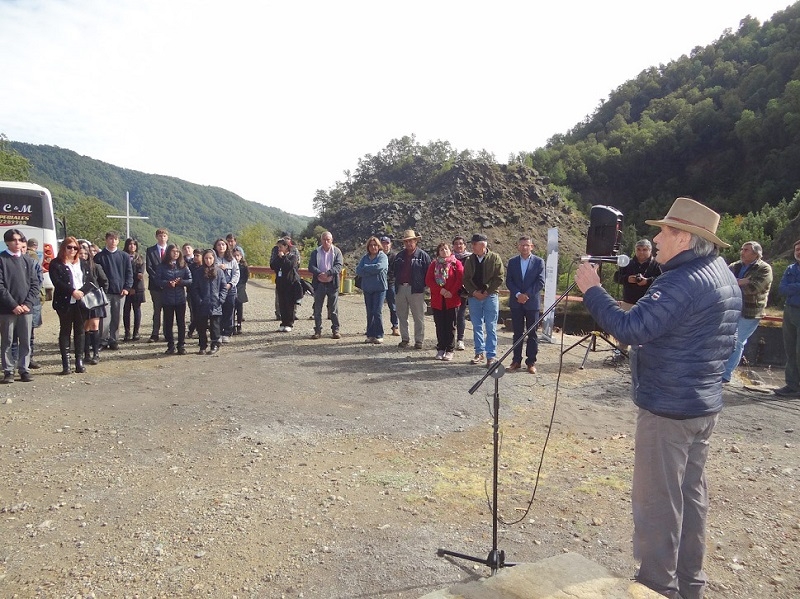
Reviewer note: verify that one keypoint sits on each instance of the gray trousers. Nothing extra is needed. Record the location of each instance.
(670, 503)
(321, 291)
(22, 324)
(115, 312)
(415, 302)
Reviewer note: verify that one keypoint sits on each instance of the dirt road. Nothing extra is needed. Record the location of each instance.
(288, 467)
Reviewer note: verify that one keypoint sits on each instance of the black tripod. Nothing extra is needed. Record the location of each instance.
(592, 345)
(497, 558)
(592, 338)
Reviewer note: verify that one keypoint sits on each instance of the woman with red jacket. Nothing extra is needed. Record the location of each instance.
(444, 279)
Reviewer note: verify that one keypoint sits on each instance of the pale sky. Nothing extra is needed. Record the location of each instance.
(274, 100)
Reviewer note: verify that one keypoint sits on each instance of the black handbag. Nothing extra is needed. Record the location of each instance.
(93, 297)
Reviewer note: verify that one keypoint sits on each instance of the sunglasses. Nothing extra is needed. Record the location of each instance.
(72, 247)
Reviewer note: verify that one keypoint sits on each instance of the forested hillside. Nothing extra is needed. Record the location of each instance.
(721, 125)
(195, 212)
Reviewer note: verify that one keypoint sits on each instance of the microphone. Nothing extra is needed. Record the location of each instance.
(622, 260)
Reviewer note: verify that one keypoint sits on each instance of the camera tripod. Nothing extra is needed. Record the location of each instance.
(592, 338)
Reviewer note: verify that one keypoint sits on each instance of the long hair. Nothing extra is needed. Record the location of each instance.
(62, 251)
(167, 259)
(137, 257)
(228, 254)
(242, 261)
(210, 272)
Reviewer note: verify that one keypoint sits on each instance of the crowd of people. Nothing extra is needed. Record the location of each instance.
(685, 314)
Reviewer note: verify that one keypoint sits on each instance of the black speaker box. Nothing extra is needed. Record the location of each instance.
(605, 231)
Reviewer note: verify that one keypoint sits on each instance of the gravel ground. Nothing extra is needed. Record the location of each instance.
(288, 467)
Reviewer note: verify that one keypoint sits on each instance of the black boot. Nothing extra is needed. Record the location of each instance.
(87, 341)
(63, 346)
(79, 344)
(95, 359)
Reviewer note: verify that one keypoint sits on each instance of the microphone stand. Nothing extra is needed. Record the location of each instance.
(497, 558)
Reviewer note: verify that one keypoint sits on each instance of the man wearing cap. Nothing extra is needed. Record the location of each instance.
(681, 333)
(410, 267)
(755, 278)
(391, 294)
(483, 275)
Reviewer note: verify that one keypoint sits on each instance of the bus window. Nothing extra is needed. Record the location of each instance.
(29, 208)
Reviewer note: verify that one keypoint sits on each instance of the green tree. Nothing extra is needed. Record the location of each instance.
(13, 166)
(87, 219)
(257, 240)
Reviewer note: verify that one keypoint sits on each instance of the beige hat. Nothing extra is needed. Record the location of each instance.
(689, 215)
(410, 234)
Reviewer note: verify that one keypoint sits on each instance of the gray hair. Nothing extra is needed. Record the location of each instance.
(702, 247)
(644, 243)
(753, 244)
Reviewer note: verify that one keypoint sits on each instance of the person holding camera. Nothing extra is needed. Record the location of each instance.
(637, 277)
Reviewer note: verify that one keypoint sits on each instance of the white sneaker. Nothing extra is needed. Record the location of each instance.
(287, 329)
(440, 354)
(225, 339)
(448, 356)
(281, 329)
(460, 346)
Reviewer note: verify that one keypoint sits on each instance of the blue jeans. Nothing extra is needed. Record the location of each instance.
(484, 312)
(373, 300)
(745, 328)
(391, 301)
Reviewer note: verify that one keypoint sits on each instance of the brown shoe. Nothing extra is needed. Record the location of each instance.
(316, 335)
(395, 332)
(514, 366)
(336, 335)
(532, 369)
(478, 359)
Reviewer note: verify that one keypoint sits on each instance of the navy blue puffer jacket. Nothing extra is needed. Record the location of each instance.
(681, 332)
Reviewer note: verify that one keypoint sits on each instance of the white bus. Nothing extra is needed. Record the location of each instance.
(29, 208)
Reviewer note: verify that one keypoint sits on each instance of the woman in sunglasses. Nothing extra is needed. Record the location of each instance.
(70, 275)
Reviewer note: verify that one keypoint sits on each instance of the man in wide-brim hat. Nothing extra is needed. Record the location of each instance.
(681, 334)
(409, 268)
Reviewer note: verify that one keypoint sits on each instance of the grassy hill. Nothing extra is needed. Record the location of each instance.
(193, 212)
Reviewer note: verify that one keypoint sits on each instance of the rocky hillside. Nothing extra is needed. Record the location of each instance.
(500, 201)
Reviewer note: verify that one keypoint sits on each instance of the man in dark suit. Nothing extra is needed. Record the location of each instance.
(525, 282)
(153, 258)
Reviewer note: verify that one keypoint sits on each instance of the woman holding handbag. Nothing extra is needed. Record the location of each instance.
(71, 277)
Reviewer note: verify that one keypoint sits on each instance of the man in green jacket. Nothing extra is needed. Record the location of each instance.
(483, 275)
(754, 277)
